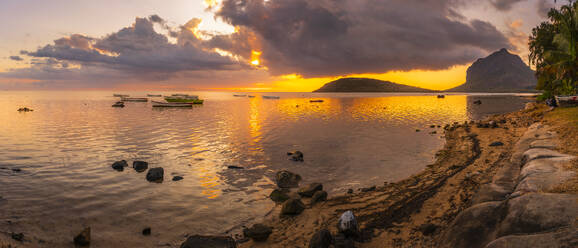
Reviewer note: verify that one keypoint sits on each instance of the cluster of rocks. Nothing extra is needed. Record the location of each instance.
(348, 230)
(153, 174)
(292, 203)
(519, 208)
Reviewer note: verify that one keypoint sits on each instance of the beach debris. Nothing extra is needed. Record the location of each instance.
(177, 178)
(310, 189)
(279, 195)
(234, 167)
(119, 165)
(478, 102)
(287, 179)
(25, 109)
(348, 224)
(497, 143)
(292, 207)
(321, 239)
(427, 229)
(319, 196)
(17, 236)
(140, 166)
(83, 238)
(296, 156)
(156, 175)
(198, 241)
(146, 231)
(258, 232)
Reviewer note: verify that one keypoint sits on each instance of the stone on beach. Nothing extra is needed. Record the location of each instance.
(287, 179)
(258, 232)
(279, 195)
(146, 231)
(119, 165)
(235, 167)
(296, 156)
(156, 175)
(347, 224)
(310, 189)
(497, 143)
(319, 196)
(177, 178)
(198, 241)
(140, 166)
(292, 207)
(17, 236)
(83, 238)
(321, 239)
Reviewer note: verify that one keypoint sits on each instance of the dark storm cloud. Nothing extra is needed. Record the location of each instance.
(336, 37)
(504, 4)
(16, 58)
(138, 48)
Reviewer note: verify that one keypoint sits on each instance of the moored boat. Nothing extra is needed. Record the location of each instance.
(251, 96)
(120, 95)
(316, 100)
(441, 96)
(154, 95)
(567, 101)
(271, 97)
(134, 99)
(118, 105)
(158, 104)
(184, 99)
(239, 95)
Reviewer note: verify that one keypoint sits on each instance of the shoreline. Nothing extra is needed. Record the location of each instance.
(417, 211)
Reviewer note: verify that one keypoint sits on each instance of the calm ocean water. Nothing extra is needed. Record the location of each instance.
(66, 146)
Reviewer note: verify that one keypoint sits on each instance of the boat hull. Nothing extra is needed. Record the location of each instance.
(567, 101)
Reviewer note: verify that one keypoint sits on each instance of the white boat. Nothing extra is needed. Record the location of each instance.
(567, 101)
(134, 99)
(157, 104)
(271, 97)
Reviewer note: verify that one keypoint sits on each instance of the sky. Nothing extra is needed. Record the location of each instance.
(254, 45)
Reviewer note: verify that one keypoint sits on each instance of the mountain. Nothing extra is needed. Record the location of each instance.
(499, 72)
(366, 85)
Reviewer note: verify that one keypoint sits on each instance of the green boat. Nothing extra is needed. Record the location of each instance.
(183, 99)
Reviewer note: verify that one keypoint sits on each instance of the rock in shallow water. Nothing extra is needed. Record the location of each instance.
(140, 166)
(319, 196)
(258, 232)
(177, 178)
(279, 195)
(146, 231)
(310, 189)
(83, 238)
(156, 175)
(119, 165)
(321, 239)
(292, 207)
(287, 179)
(296, 156)
(198, 241)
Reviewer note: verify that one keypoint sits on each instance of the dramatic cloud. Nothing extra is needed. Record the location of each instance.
(504, 5)
(323, 37)
(16, 58)
(544, 7)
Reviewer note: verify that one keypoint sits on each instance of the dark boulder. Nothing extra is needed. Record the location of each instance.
(279, 195)
(156, 175)
(119, 165)
(258, 232)
(198, 241)
(177, 178)
(497, 143)
(319, 196)
(310, 189)
(17, 236)
(321, 239)
(83, 238)
(287, 179)
(296, 156)
(140, 166)
(292, 207)
(146, 231)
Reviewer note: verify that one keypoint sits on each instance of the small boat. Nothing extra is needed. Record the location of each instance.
(316, 100)
(120, 95)
(184, 99)
(180, 95)
(441, 96)
(271, 97)
(251, 96)
(153, 95)
(134, 99)
(239, 95)
(118, 105)
(567, 101)
(157, 104)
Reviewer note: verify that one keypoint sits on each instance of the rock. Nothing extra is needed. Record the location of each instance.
(564, 238)
(478, 102)
(321, 239)
(417, 130)
(310, 189)
(17, 236)
(432, 126)
(341, 241)
(17, 170)
(279, 196)
(156, 175)
(140, 166)
(319, 196)
(119, 165)
(427, 229)
(258, 232)
(234, 167)
(347, 224)
(350, 191)
(474, 226)
(296, 156)
(83, 238)
(177, 178)
(368, 189)
(146, 231)
(292, 207)
(497, 143)
(287, 179)
(493, 124)
(198, 241)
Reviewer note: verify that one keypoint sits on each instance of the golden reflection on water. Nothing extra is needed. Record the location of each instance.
(296, 108)
(255, 124)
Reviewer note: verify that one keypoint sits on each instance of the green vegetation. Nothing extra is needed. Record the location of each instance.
(553, 50)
